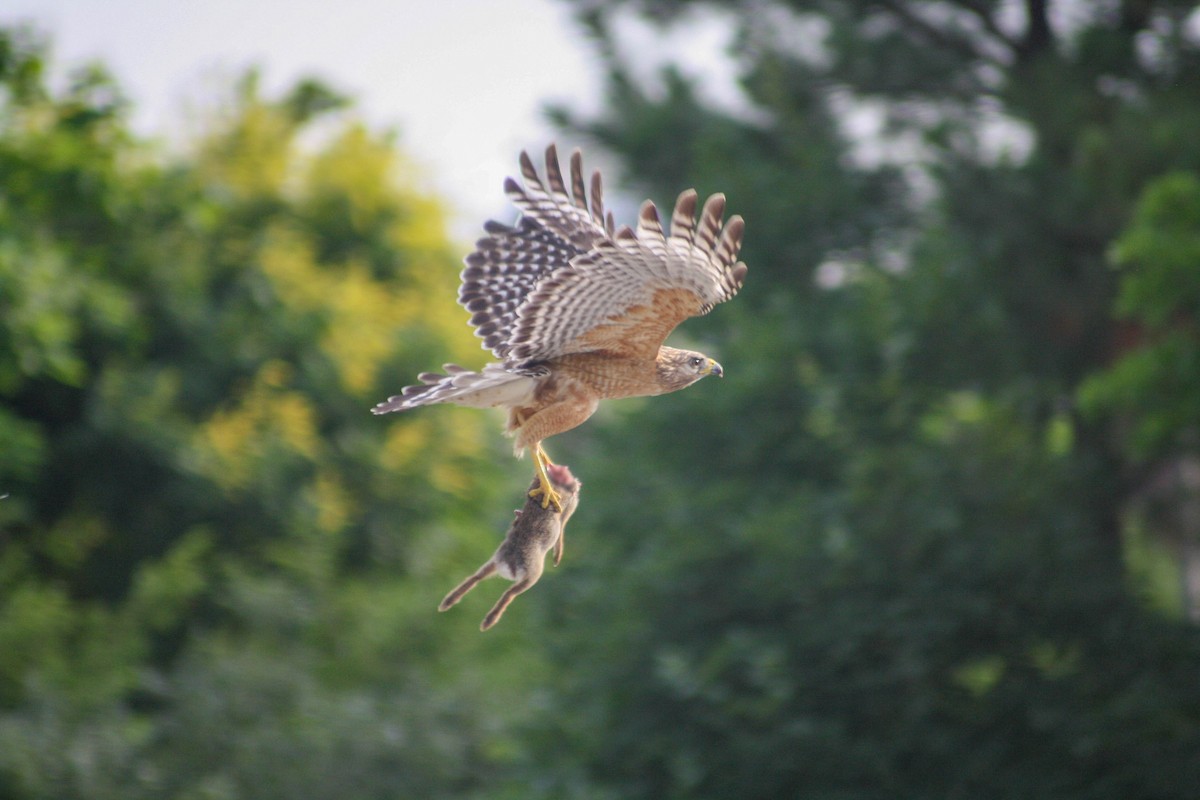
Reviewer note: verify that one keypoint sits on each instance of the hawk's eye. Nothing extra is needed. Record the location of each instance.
(696, 361)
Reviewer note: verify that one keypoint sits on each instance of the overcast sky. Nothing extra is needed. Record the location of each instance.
(464, 82)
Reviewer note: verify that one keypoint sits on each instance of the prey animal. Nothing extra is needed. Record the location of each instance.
(576, 310)
(534, 532)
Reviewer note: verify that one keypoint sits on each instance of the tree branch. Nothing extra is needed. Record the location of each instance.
(934, 34)
(984, 15)
(1135, 15)
(1038, 35)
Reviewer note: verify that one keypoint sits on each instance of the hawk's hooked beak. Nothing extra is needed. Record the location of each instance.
(715, 369)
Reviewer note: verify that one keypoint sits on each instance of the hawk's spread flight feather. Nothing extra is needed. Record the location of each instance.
(577, 310)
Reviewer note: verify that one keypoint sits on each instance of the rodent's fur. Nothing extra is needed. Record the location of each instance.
(521, 557)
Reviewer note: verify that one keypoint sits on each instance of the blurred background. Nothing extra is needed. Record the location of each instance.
(936, 534)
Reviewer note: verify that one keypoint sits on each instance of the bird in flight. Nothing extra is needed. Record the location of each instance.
(576, 310)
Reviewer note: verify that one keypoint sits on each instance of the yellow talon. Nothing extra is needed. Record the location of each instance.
(546, 490)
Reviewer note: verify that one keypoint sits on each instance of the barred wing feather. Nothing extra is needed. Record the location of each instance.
(507, 265)
(626, 294)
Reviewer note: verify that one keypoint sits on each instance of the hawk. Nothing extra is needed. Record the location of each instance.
(576, 310)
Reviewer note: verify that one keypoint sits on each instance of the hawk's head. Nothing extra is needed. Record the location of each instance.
(678, 369)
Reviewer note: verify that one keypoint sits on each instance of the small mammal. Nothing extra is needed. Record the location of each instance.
(521, 557)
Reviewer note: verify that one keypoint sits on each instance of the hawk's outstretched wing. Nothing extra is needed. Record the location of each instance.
(508, 264)
(626, 294)
(562, 281)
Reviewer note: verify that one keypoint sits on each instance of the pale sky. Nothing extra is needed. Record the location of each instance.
(464, 82)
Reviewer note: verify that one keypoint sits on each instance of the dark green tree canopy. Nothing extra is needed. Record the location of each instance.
(899, 561)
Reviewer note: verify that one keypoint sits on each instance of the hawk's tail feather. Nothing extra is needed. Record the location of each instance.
(493, 386)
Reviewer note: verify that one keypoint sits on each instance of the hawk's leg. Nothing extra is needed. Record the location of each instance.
(546, 489)
(561, 415)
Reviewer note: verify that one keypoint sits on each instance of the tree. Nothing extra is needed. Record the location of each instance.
(211, 555)
(1152, 388)
(887, 558)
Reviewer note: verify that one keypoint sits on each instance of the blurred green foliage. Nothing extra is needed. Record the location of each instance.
(891, 555)
(1155, 381)
(897, 552)
(217, 570)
